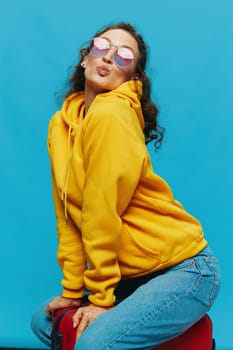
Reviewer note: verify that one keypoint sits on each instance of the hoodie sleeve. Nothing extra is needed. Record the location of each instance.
(113, 145)
(70, 253)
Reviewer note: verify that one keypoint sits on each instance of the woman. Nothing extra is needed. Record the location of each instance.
(143, 260)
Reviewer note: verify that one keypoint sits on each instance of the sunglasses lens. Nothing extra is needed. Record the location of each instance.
(124, 56)
(99, 47)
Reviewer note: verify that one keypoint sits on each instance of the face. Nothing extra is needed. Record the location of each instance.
(111, 68)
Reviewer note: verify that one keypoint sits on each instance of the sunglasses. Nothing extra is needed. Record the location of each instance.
(123, 56)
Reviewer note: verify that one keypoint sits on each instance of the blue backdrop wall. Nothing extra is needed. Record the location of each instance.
(191, 65)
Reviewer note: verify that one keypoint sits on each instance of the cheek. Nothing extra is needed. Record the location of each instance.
(90, 64)
(128, 74)
(89, 71)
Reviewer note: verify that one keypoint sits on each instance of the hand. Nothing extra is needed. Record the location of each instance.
(85, 316)
(60, 302)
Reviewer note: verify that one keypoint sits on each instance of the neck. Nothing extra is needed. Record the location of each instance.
(89, 98)
(90, 94)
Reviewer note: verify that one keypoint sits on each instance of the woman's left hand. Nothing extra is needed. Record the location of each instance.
(85, 316)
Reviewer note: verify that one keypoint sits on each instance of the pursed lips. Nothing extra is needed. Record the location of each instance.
(103, 70)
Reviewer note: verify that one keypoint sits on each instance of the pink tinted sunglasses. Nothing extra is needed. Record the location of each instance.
(123, 56)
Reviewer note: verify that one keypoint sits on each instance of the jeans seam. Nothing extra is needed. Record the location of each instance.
(215, 283)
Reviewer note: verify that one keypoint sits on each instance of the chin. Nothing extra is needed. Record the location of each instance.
(100, 88)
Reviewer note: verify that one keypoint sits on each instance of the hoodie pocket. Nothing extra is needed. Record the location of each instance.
(137, 254)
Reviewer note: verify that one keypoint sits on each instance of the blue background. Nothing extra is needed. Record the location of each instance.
(191, 65)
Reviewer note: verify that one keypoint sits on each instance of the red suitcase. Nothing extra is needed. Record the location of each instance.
(198, 337)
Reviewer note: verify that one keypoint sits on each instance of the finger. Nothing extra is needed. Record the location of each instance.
(77, 317)
(48, 310)
(82, 326)
(52, 306)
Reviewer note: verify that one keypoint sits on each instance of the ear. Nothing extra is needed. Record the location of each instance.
(84, 61)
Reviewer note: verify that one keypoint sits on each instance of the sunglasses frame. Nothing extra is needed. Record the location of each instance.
(127, 61)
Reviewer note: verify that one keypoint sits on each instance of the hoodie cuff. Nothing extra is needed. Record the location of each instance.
(72, 294)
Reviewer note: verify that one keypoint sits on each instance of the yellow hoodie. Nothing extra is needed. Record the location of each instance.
(116, 219)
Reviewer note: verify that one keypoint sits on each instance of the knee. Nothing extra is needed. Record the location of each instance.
(36, 324)
(41, 325)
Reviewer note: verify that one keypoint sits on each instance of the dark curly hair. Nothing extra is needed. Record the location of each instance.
(152, 130)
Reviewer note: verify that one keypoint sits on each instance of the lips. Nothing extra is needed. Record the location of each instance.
(102, 71)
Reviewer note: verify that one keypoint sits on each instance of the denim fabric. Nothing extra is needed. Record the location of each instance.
(41, 323)
(158, 310)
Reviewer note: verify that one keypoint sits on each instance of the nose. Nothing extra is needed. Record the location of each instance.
(108, 58)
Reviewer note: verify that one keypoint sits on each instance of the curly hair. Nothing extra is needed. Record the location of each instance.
(152, 130)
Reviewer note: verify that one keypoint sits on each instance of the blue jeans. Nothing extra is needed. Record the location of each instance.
(162, 308)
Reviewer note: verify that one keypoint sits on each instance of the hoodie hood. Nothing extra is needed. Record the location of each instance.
(132, 91)
(73, 109)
